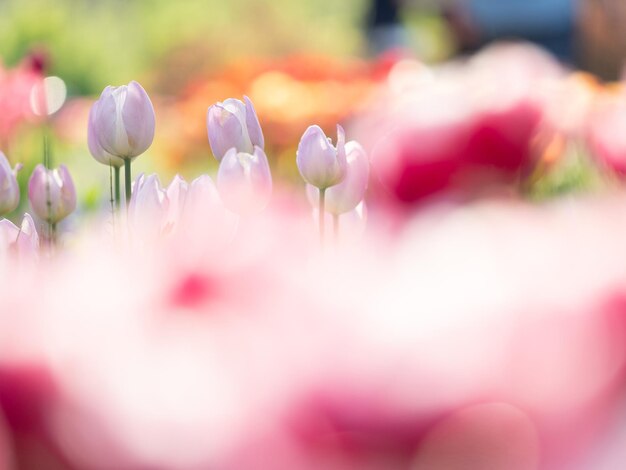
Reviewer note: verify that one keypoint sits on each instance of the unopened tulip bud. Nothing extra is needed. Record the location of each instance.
(9, 189)
(345, 196)
(122, 122)
(233, 124)
(320, 162)
(51, 193)
(244, 181)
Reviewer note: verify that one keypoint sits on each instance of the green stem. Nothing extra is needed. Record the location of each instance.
(52, 234)
(336, 227)
(322, 214)
(127, 180)
(118, 199)
(46, 148)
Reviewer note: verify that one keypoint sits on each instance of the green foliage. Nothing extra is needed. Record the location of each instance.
(575, 172)
(93, 43)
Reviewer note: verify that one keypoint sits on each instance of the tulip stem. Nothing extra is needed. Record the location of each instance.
(46, 148)
(117, 187)
(322, 214)
(336, 227)
(127, 179)
(52, 234)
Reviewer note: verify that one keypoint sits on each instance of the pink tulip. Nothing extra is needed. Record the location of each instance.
(121, 123)
(347, 195)
(51, 193)
(321, 163)
(233, 124)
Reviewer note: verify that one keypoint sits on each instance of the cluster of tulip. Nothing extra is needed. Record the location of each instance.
(122, 126)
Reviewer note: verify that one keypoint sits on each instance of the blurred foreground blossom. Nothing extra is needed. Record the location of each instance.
(605, 131)
(22, 241)
(51, 193)
(465, 128)
(233, 124)
(461, 349)
(15, 91)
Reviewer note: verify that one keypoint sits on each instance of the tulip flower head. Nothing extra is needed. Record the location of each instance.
(320, 163)
(51, 193)
(23, 240)
(9, 189)
(347, 195)
(244, 181)
(121, 123)
(233, 124)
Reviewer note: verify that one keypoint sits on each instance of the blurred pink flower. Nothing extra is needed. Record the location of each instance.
(605, 132)
(15, 90)
(464, 128)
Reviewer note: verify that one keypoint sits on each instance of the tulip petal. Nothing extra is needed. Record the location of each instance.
(177, 196)
(225, 130)
(138, 119)
(96, 150)
(108, 126)
(346, 195)
(147, 211)
(252, 123)
(67, 192)
(9, 189)
(261, 176)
